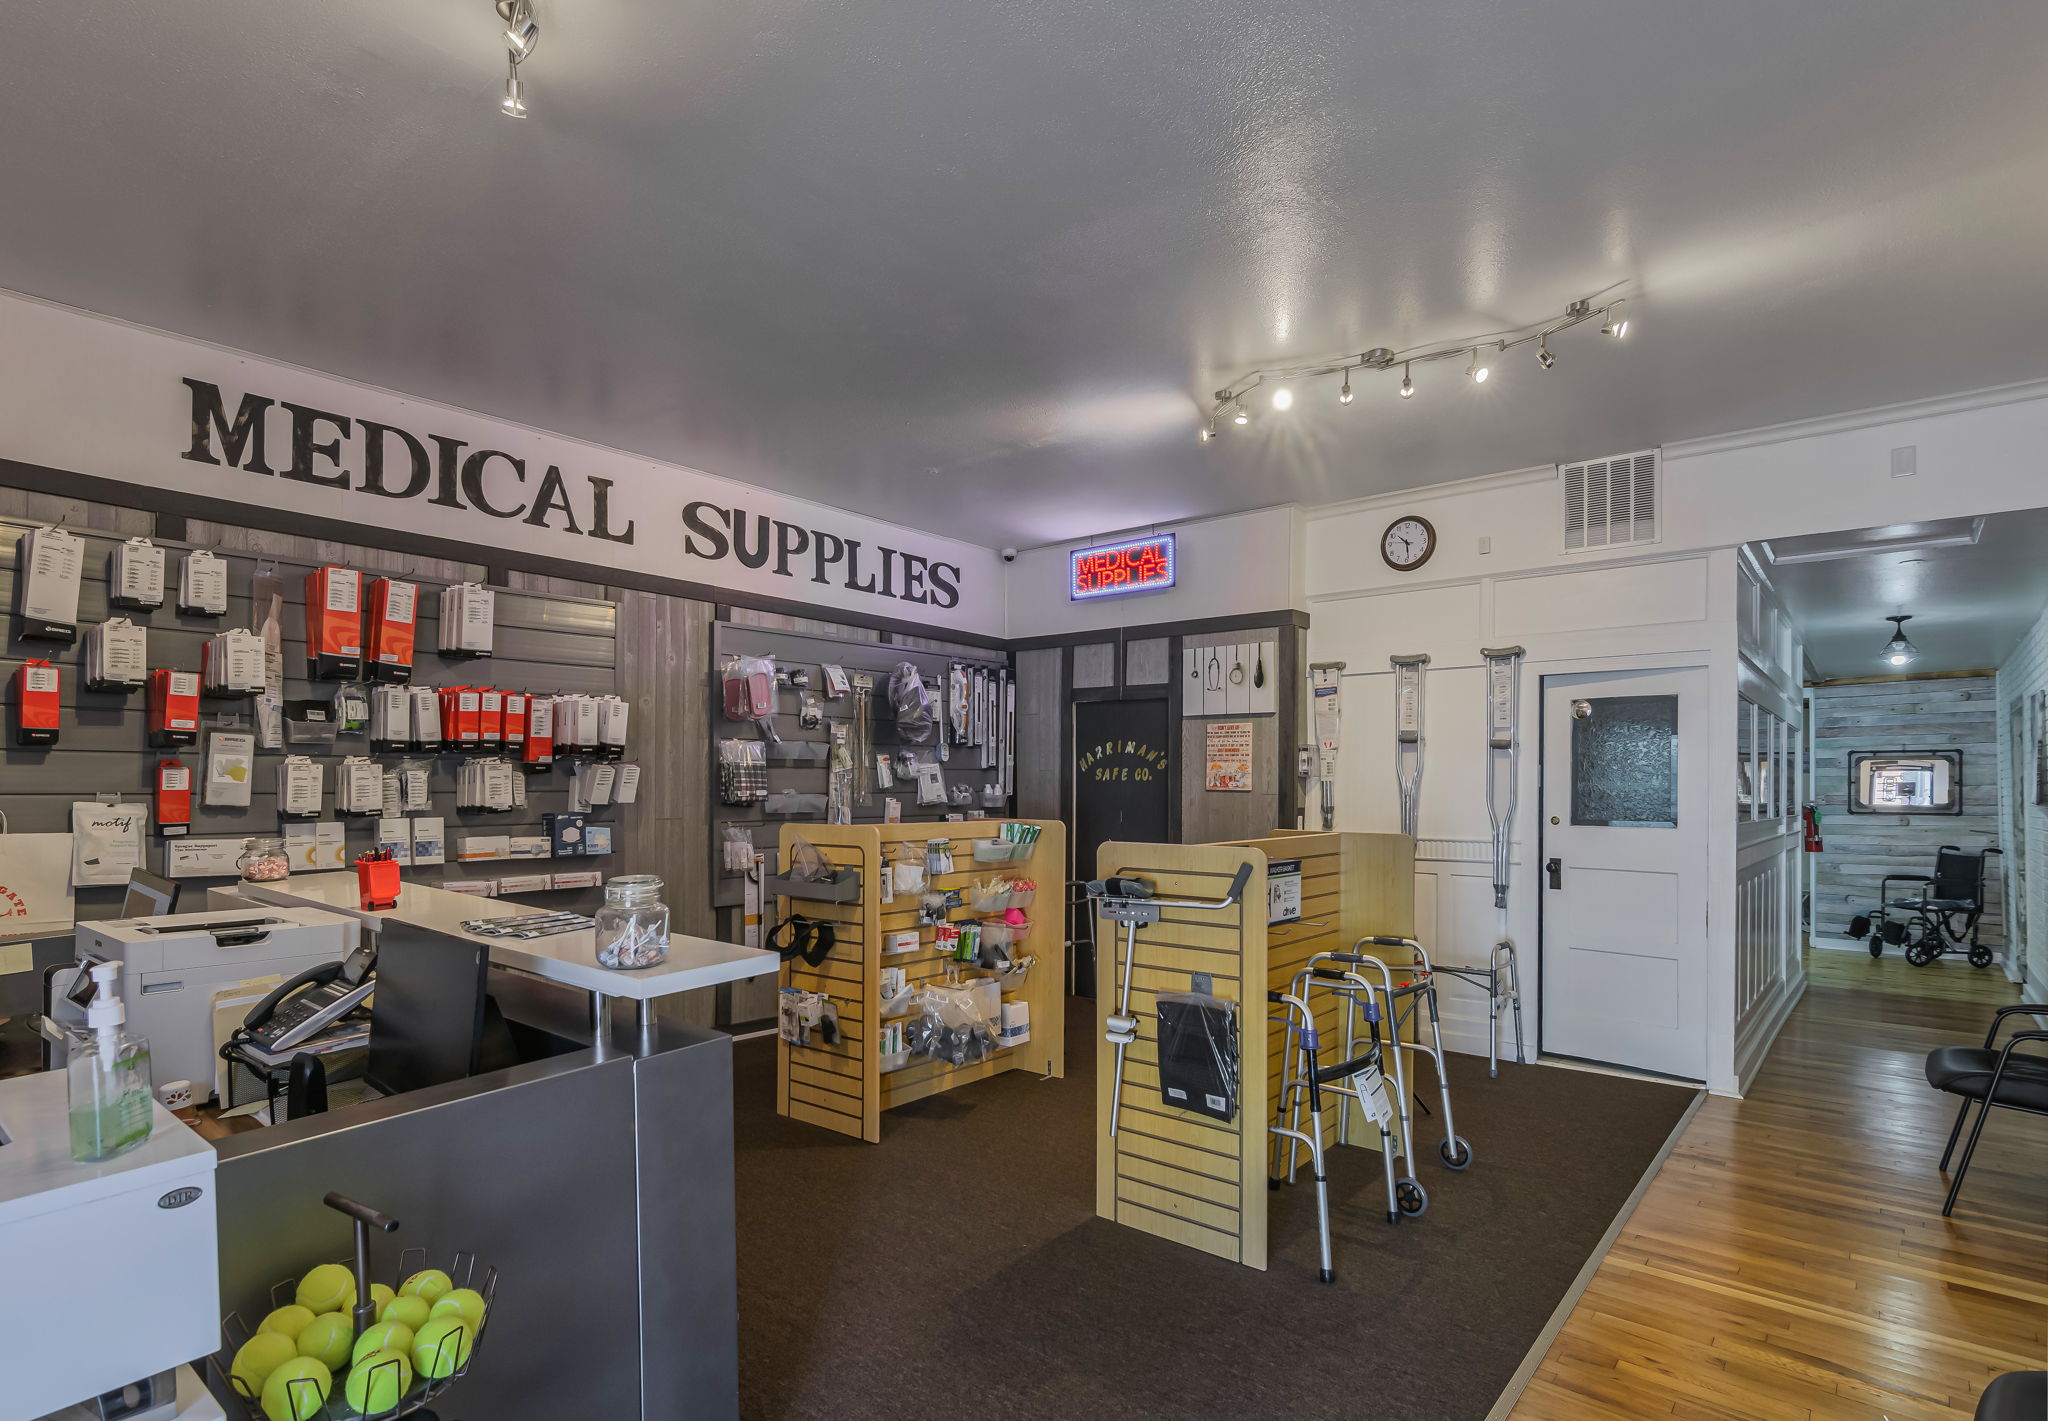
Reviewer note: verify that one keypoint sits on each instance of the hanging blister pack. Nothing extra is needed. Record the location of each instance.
(299, 788)
(413, 783)
(173, 708)
(425, 732)
(612, 713)
(48, 565)
(358, 787)
(537, 755)
(749, 686)
(468, 617)
(202, 585)
(37, 702)
(232, 664)
(390, 719)
(742, 772)
(490, 718)
(173, 799)
(352, 710)
(135, 575)
(230, 769)
(911, 704)
(334, 624)
(627, 789)
(116, 656)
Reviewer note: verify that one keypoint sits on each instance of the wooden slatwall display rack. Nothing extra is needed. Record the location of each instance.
(797, 761)
(1170, 1172)
(842, 1087)
(543, 643)
(1184, 1176)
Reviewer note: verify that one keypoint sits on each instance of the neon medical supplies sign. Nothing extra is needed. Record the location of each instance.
(1140, 565)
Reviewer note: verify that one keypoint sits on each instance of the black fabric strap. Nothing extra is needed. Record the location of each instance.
(806, 938)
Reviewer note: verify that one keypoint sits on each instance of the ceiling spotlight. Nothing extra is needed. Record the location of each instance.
(1407, 385)
(514, 103)
(1477, 371)
(1899, 651)
(1617, 322)
(1241, 416)
(1208, 432)
(522, 33)
(1344, 395)
(1543, 355)
(1283, 398)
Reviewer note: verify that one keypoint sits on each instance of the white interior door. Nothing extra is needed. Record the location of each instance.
(1624, 869)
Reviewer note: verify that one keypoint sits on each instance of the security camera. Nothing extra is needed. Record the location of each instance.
(1009, 554)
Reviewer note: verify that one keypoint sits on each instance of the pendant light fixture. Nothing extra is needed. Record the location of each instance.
(1900, 651)
(1407, 383)
(521, 34)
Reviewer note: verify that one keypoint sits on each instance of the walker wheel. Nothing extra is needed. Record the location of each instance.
(1980, 956)
(1919, 954)
(1456, 1153)
(1409, 1194)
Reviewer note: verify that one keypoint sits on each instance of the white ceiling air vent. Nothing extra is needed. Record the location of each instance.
(1611, 503)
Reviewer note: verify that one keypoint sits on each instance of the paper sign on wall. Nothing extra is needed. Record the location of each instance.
(1228, 752)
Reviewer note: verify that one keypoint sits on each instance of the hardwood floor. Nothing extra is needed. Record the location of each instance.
(1790, 1260)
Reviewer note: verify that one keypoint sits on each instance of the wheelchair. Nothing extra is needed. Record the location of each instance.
(1940, 918)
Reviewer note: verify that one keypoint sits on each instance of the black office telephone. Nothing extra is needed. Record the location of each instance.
(319, 996)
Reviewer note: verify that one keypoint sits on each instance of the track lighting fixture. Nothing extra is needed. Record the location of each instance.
(521, 35)
(1208, 433)
(1229, 403)
(1899, 650)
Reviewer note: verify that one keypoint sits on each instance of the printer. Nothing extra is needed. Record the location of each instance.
(176, 965)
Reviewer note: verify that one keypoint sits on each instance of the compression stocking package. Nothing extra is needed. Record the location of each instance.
(1198, 1053)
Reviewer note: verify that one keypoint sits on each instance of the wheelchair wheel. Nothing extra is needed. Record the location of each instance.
(1456, 1154)
(1980, 956)
(1876, 946)
(1919, 953)
(1410, 1196)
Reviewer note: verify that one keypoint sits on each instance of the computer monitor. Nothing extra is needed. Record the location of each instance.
(149, 896)
(427, 1017)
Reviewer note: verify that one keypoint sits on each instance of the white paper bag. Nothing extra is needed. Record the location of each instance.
(35, 885)
(106, 842)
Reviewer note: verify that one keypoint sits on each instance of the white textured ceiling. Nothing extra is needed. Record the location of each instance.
(1970, 604)
(971, 265)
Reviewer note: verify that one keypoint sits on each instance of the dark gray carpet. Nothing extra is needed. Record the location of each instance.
(957, 1268)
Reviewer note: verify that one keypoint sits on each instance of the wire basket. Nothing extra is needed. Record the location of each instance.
(304, 1392)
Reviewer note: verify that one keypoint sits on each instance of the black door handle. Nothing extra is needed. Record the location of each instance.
(1555, 868)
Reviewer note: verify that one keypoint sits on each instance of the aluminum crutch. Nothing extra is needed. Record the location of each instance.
(1408, 735)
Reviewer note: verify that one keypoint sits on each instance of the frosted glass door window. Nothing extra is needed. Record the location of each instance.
(1625, 762)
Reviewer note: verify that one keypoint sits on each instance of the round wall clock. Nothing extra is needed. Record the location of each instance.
(1407, 543)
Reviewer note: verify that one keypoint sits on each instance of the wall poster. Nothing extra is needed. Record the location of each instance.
(1229, 755)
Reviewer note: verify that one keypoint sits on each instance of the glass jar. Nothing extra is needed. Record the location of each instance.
(632, 926)
(263, 860)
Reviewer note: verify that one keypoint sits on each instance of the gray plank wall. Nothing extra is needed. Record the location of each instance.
(544, 643)
(1955, 714)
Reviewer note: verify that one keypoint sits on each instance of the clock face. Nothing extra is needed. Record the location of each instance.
(1407, 543)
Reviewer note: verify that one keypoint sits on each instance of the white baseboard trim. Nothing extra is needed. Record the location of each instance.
(1533, 1358)
(1754, 1045)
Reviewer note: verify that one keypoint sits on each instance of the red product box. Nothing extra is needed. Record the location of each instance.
(334, 624)
(539, 751)
(515, 719)
(394, 616)
(173, 798)
(490, 717)
(173, 708)
(37, 689)
(461, 717)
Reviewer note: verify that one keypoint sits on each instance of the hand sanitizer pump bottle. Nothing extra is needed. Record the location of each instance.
(109, 1076)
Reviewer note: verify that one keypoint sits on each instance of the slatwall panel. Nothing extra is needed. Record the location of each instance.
(798, 763)
(543, 643)
(1168, 1172)
(841, 1087)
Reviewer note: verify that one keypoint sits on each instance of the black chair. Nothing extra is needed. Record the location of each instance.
(2003, 1078)
(1942, 917)
(2016, 1396)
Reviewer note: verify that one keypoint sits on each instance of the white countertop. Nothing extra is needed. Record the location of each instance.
(569, 958)
(37, 1173)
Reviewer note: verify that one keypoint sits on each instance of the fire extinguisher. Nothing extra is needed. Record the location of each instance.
(1812, 817)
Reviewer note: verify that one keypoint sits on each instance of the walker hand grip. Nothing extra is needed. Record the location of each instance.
(1390, 941)
(1351, 957)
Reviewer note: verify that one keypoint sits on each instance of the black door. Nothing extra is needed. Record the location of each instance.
(1123, 789)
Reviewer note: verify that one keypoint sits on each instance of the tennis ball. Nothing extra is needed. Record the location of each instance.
(410, 1311)
(327, 1337)
(383, 1337)
(441, 1348)
(465, 1303)
(428, 1283)
(380, 1295)
(377, 1381)
(287, 1321)
(257, 1358)
(328, 1288)
(297, 1390)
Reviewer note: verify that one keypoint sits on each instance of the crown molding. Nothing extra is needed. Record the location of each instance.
(1996, 396)
(1456, 488)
